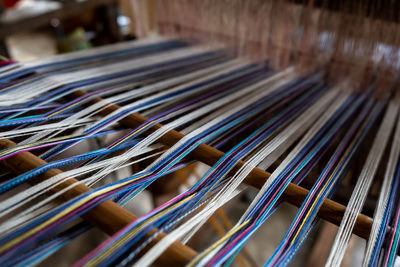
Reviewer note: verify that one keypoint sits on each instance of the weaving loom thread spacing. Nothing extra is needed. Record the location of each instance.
(164, 104)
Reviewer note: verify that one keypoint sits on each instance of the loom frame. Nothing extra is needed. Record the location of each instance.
(109, 217)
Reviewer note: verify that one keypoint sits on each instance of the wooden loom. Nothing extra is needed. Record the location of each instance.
(110, 218)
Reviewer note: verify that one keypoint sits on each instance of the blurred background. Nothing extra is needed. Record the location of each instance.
(31, 29)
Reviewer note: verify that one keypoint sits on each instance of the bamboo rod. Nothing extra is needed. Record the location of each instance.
(107, 216)
(330, 210)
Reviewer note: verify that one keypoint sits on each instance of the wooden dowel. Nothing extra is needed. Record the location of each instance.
(107, 216)
(330, 210)
(110, 217)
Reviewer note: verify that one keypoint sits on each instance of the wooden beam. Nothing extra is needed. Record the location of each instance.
(110, 217)
(330, 210)
(107, 216)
